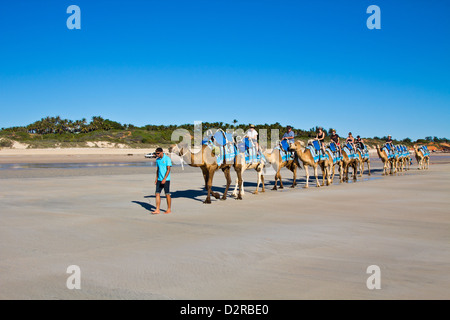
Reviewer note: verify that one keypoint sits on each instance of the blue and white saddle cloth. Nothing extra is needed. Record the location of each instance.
(424, 150)
(364, 151)
(388, 151)
(335, 154)
(285, 154)
(350, 151)
(317, 152)
(250, 151)
(401, 151)
(223, 146)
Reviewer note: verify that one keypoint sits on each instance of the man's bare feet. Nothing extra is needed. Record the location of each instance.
(156, 212)
(167, 211)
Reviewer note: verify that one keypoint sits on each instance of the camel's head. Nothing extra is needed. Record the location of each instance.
(296, 145)
(178, 149)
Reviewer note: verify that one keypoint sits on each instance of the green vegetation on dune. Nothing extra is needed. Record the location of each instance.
(53, 132)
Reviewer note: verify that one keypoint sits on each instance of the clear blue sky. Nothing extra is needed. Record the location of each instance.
(304, 63)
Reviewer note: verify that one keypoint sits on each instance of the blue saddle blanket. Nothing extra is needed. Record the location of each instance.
(285, 155)
(386, 149)
(317, 155)
(424, 151)
(335, 155)
(364, 152)
(250, 151)
(351, 154)
(222, 144)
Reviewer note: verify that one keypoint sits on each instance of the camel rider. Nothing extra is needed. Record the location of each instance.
(390, 143)
(321, 138)
(289, 135)
(252, 135)
(335, 138)
(350, 140)
(359, 142)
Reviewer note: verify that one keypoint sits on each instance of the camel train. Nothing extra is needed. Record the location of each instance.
(223, 151)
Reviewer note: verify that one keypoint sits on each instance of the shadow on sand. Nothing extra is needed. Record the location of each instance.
(145, 205)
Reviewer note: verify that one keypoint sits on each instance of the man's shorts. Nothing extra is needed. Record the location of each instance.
(165, 186)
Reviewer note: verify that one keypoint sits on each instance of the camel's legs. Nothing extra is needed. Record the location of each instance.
(307, 175)
(322, 167)
(235, 192)
(226, 171)
(205, 176)
(241, 184)
(209, 186)
(361, 167)
(279, 178)
(294, 171)
(316, 174)
(368, 167)
(259, 172)
(262, 181)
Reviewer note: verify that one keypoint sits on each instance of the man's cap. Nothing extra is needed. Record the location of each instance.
(251, 126)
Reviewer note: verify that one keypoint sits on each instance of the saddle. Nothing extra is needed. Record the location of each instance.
(335, 154)
(424, 150)
(317, 151)
(250, 150)
(351, 153)
(223, 146)
(363, 150)
(388, 150)
(285, 154)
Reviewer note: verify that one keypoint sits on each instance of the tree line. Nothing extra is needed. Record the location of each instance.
(58, 125)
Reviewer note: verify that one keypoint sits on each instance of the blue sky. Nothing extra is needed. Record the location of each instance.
(303, 63)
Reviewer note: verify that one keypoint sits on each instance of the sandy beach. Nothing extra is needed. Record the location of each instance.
(288, 244)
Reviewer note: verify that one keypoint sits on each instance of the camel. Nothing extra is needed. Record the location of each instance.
(304, 154)
(349, 162)
(206, 161)
(404, 159)
(361, 163)
(399, 161)
(275, 159)
(387, 163)
(422, 161)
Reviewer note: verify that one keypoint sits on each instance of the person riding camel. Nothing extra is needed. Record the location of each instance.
(359, 142)
(321, 138)
(252, 135)
(390, 143)
(335, 138)
(350, 140)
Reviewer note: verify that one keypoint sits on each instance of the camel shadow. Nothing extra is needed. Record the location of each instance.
(145, 205)
(192, 194)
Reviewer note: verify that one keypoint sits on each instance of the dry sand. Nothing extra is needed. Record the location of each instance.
(287, 244)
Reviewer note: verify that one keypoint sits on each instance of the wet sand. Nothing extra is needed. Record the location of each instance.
(297, 243)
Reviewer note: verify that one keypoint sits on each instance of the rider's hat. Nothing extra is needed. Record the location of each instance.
(251, 126)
